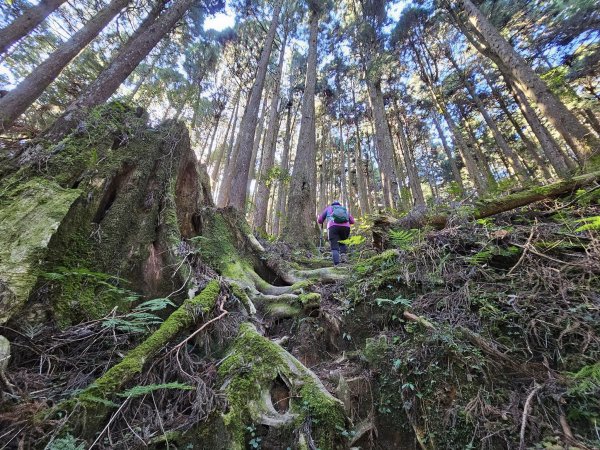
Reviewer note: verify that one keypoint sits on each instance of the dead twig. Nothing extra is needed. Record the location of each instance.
(526, 410)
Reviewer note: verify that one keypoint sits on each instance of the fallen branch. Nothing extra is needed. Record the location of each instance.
(526, 410)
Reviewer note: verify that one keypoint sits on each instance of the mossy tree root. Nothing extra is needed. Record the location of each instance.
(265, 385)
(95, 399)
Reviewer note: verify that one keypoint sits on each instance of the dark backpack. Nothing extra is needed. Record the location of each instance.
(339, 214)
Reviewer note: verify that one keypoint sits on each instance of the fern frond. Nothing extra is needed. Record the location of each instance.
(138, 391)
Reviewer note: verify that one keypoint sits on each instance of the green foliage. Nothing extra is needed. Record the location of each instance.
(397, 301)
(139, 319)
(404, 239)
(354, 240)
(67, 442)
(139, 391)
(589, 223)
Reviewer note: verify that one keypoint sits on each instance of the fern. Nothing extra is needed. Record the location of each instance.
(67, 442)
(353, 240)
(480, 258)
(139, 319)
(404, 239)
(138, 391)
(589, 223)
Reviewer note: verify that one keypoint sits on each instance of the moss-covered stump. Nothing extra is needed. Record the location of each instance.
(268, 388)
(117, 200)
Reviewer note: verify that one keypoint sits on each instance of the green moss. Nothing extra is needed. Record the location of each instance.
(310, 300)
(301, 286)
(42, 205)
(282, 310)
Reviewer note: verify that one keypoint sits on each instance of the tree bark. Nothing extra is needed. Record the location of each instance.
(300, 213)
(282, 186)
(214, 175)
(26, 22)
(500, 141)
(13, 104)
(451, 159)
(363, 196)
(561, 163)
(566, 123)
(385, 148)
(263, 189)
(136, 49)
(237, 197)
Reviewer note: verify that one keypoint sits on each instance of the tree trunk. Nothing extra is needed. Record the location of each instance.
(451, 159)
(300, 213)
(214, 176)
(237, 199)
(121, 67)
(411, 166)
(500, 141)
(363, 196)
(259, 138)
(577, 135)
(561, 163)
(13, 104)
(282, 185)
(385, 148)
(264, 184)
(529, 145)
(26, 22)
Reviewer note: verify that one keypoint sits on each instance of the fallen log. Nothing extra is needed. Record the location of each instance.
(483, 208)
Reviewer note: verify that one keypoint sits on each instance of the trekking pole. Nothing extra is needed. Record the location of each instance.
(321, 240)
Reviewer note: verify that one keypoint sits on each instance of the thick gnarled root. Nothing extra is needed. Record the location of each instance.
(266, 386)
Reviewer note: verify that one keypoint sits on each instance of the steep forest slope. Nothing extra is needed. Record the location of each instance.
(141, 316)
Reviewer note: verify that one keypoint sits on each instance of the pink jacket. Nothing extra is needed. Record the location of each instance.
(327, 212)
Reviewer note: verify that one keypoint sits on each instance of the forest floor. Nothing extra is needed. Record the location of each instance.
(485, 334)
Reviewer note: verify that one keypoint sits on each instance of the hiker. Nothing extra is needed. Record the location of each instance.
(338, 228)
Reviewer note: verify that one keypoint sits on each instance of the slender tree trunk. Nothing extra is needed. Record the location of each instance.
(228, 172)
(148, 71)
(237, 199)
(566, 123)
(26, 22)
(500, 141)
(385, 148)
(529, 145)
(561, 162)
(13, 104)
(479, 179)
(257, 141)
(300, 213)
(121, 67)
(448, 152)
(264, 184)
(363, 196)
(232, 121)
(217, 119)
(411, 167)
(592, 119)
(282, 185)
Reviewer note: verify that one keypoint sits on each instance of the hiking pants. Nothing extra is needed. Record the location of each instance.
(336, 234)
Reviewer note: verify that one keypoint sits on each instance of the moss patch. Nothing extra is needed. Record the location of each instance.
(30, 213)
